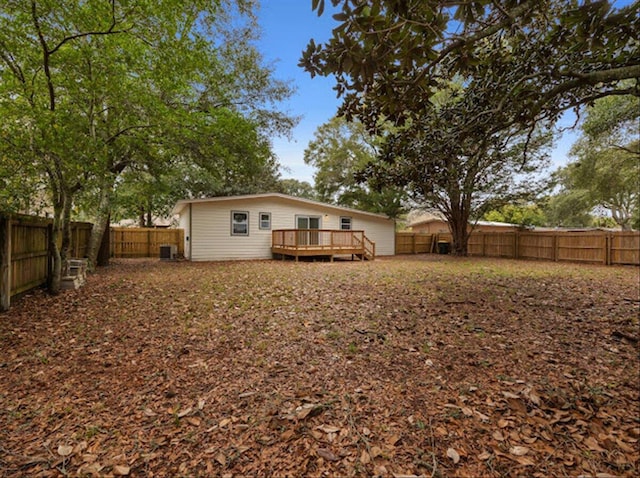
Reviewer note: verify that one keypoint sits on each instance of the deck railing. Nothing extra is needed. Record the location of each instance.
(321, 242)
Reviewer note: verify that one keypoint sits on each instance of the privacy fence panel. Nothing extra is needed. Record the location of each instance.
(29, 255)
(593, 247)
(625, 248)
(534, 245)
(414, 243)
(128, 242)
(582, 247)
(25, 256)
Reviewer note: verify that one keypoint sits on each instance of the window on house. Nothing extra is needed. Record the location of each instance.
(239, 223)
(345, 223)
(265, 220)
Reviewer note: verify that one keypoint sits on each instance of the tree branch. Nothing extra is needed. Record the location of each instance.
(109, 31)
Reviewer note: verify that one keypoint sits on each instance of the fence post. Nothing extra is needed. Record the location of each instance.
(5, 262)
(413, 243)
(555, 247)
(516, 245)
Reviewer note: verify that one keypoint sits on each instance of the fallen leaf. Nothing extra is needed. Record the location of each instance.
(523, 460)
(497, 435)
(121, 470)
(90, 469)
(502, 423)
(184, 412)
(220, 458)
(518, 450)
(485, 455)
(451, 453)
(534, 397)
(195, 421)
(593, 445)
(393, 440)
(327, 454)
(328, 428)
(365, 458)
(65, 450)
(481, 416)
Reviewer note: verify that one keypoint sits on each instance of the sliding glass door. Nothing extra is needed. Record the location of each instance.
(308, 238)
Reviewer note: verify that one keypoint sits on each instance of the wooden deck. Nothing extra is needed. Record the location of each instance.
(322, 242)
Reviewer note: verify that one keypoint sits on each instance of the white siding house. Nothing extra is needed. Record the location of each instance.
(240, 227)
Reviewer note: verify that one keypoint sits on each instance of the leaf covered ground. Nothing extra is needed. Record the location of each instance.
(416, 365)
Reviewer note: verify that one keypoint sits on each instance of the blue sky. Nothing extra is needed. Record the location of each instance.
(287, 27)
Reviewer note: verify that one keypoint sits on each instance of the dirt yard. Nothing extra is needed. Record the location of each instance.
(415, 366)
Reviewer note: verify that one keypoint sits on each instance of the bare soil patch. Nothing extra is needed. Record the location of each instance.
(408, 366)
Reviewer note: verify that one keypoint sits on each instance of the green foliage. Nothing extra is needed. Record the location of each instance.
(458, 168)
(522, 214)
(606, 169)
(339, 151)
(294, 187)
(541, 56)
(166, 92)
(521, 63)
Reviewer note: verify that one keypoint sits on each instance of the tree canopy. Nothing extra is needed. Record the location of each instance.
(606, 168)
(93, 90)
(517, 66)
(389, 57)
(339, 151)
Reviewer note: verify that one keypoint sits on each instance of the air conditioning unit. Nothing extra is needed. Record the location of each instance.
(168, 252)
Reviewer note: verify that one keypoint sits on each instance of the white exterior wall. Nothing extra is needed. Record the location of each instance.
(183, 223)
(210, 236)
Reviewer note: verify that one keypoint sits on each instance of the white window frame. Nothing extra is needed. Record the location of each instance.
(261, 221)
(349, 222)
(233, 223)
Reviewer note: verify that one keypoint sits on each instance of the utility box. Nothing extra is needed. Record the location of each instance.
(168, 252)
(443, 247)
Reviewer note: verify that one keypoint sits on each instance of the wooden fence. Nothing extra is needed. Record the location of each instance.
(24, 252)
(595, 247)
(25, 258)
(127, 242)
(414, 243)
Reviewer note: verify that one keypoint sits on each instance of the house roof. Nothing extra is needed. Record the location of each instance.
(180, 205)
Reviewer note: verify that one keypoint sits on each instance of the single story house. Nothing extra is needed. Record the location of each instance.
(261, 226)
(437, 225)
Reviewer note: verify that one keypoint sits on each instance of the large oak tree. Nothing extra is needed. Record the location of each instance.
(522, 64)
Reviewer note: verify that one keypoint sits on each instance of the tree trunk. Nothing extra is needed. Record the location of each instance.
(54, 280)
(141, 216)
(460, 235)
(65, 248)
(100, 223)
(458, 218)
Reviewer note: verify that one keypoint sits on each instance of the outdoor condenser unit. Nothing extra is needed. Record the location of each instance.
(168, 252)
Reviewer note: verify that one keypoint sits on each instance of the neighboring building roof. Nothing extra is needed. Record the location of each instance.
(496, 224)
(158, 221)
(424, 218)
(433, 218)
(182, 203)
